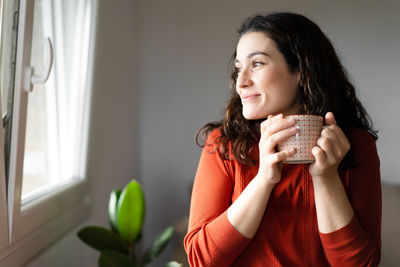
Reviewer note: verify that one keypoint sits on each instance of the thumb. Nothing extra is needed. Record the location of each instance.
(330, 119)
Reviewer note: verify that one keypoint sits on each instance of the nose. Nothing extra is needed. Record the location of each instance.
(243, 79)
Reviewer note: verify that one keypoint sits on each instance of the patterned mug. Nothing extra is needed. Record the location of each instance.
(309, 130)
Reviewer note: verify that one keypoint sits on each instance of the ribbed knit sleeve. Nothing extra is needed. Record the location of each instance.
(359, 242)
(211, 239)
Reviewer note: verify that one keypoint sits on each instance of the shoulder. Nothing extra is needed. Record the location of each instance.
(362, 142)
(216, 139)
(218, 151)
(212, 141)
(214, 134)
(217, 142)
(360, 137)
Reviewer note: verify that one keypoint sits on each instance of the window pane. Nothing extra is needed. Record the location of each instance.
(36, 158)
(55, 116)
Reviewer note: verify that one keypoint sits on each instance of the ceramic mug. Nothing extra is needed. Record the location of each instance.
(309, 130)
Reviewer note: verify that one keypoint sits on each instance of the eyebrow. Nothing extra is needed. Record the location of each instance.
(252, 55)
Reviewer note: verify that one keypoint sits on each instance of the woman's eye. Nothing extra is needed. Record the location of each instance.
(257, 63)
(237, 69)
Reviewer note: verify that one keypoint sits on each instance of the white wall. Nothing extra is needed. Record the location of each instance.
(178, 59)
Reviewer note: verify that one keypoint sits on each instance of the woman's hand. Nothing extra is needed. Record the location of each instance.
(246, 213)
(274, 130)
(331, 148)
(332, 206)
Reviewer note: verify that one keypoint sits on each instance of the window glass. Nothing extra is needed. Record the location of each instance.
(36, 159)
(44, 130)
(56, 109)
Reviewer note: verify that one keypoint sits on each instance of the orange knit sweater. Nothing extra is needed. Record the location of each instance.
(288, 234)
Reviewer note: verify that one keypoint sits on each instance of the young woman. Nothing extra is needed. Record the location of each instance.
(250, 209)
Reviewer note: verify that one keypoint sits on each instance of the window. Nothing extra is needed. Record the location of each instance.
(45, 78)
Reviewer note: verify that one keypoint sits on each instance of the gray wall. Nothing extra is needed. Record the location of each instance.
(184, 52)
(161, 73)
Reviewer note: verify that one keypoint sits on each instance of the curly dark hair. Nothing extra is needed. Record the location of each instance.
(323, 85)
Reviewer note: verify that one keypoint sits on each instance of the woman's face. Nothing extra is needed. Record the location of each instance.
(264, 83)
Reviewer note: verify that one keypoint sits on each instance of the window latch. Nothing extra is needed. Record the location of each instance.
(30, 78)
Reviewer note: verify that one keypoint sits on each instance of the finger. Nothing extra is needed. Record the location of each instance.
(319, 155)
(339, 135)
(332, 154)
(284, 154)
(330, 119)
(264, 123)
(330, 134)
(268, 121)
(276, 117)
(277, 125)
(272, 118)
(274, 139)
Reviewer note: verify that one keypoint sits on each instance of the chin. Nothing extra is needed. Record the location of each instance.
(250, 116)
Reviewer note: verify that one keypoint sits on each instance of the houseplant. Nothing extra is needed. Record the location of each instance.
(126, 211)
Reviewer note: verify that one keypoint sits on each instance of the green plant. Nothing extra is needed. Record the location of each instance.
(126, 211)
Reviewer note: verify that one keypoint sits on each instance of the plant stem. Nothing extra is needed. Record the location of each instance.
(132, 254)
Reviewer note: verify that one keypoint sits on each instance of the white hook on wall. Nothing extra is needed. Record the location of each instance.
(30, 78)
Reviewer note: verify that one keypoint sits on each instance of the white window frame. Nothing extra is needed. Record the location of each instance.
(3, 202)
(27, 228)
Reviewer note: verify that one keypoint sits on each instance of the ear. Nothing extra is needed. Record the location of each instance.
(298, 76)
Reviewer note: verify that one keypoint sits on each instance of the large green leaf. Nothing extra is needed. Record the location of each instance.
(101, 238)
(113, 209)
(131, 211)
(158, 245)
(111, 258)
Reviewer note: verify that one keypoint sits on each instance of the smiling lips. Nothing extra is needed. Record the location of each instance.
(249, 97)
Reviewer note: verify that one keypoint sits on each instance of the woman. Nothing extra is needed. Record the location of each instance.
(250, 209)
